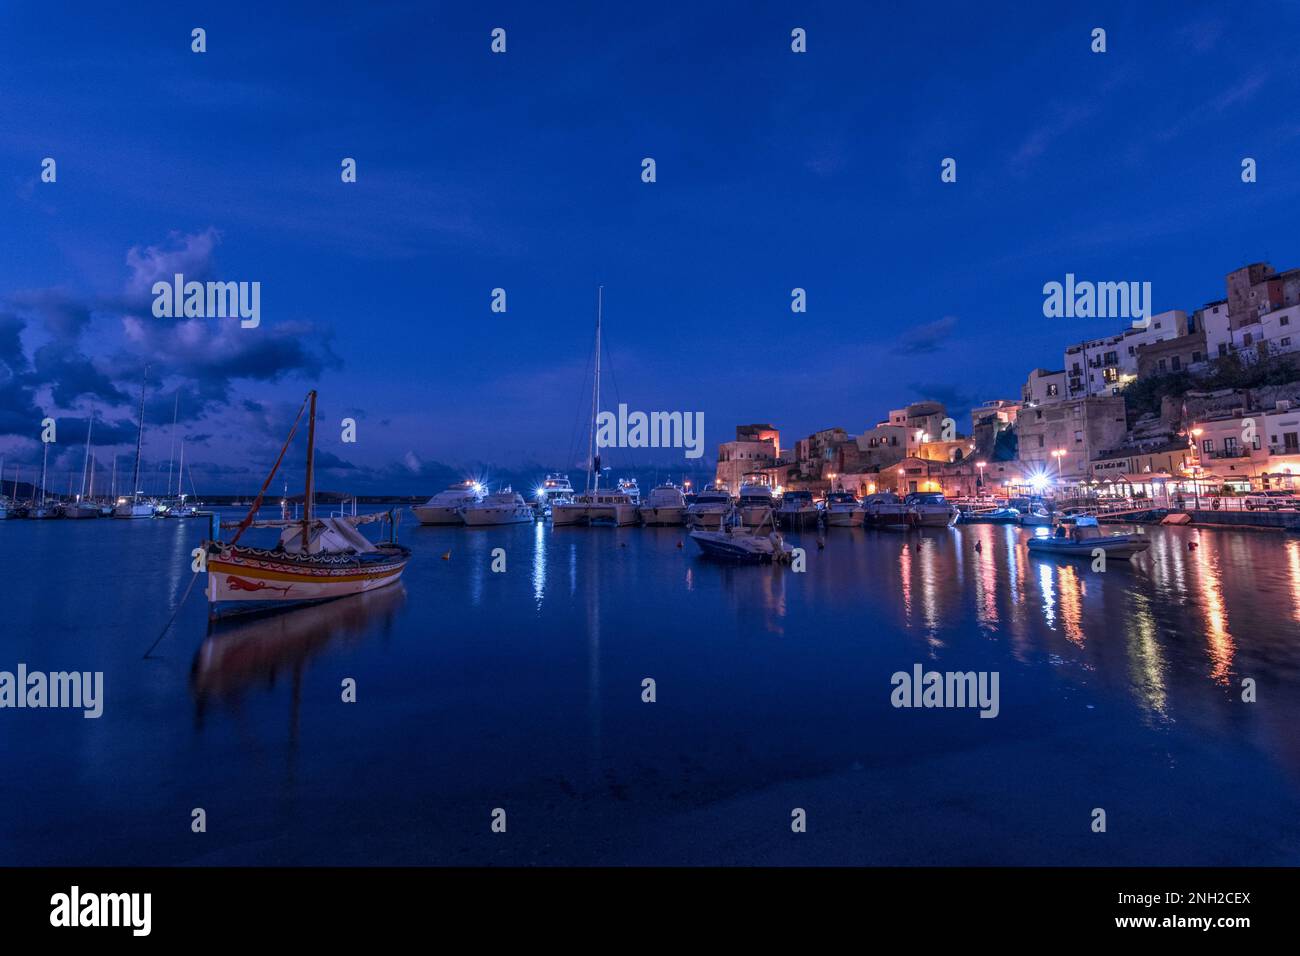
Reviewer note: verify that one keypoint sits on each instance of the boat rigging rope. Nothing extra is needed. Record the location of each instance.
(194, 577)
(257, 502)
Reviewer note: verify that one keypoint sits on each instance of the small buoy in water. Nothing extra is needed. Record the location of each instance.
(1191, 545)
(979, 546)
(446, 556)
(622, 544)
(679, 544)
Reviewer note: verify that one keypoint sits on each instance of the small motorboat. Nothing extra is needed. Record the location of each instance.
(798, 510)
(990, 516)
(931, 508)
(1081, 536)
(1035, 518)
(735, 543)
(843, 511)
(886, 510)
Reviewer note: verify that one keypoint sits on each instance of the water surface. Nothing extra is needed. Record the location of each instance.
(522, 690)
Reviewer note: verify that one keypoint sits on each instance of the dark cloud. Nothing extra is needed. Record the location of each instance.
(204, 361)
(57, 311)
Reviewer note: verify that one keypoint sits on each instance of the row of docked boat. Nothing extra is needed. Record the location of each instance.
(667, 505)
(77, 508)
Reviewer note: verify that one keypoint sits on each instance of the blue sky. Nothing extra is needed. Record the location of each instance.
(522, 171)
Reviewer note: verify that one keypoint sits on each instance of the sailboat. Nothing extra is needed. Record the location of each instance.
(316, 559)
(82, 506)
(594, 506)
(41, 509)
(133, 507)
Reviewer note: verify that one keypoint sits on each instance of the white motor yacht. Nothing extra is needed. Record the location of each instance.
(798, 510)
(554, 489)
(843, 510)
(448, 507)
(503, 507)
(629, 487)
(710, 509)
(755, 505)
(886, 510)
(665, 505)
(932, 509)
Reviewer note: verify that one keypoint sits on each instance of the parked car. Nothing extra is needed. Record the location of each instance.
(1271, 501)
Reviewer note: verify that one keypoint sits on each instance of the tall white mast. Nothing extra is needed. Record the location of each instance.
(180, 473)
(45, 457)
(85, 462)
(139, 441)
(593, 453)
(171, 452)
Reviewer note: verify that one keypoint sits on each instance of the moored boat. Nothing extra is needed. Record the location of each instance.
(504, 507)
(932, 509)
(709, 510)
(1081, 536)
(739, 544)
(314, 560)
(886, 510)
(797, 510)
(843, 510)
(448, 507)
(755, 505)
(665, 505)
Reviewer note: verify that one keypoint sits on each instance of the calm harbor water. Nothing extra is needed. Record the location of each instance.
(522, 690)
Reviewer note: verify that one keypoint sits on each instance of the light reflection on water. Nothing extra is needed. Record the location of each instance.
(475, 686)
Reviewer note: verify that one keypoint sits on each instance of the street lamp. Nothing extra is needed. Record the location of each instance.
(980, 486)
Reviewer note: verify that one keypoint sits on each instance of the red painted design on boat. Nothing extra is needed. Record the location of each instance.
(239, 584)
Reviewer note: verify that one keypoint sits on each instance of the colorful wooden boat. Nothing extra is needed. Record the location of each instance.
(316, 559)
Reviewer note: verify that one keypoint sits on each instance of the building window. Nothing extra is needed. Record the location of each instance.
(1176, 363)
(1196, 357)
(1291, 442)
(1162, 366)
(1207, 446)
(1285, 343)
(1078, 438)
(1110, 358)
(1230, 445)
(1247, 339)
(1223, 349)
(1053, 390)
(1040, 441)
(1110, 375)
(1284, 320)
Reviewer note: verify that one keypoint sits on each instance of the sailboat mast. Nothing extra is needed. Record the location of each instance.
(311, 468)
(139, 440)
(45, 457)
(593, 456)
(171, 452)
(180, 474)
(85, 462)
